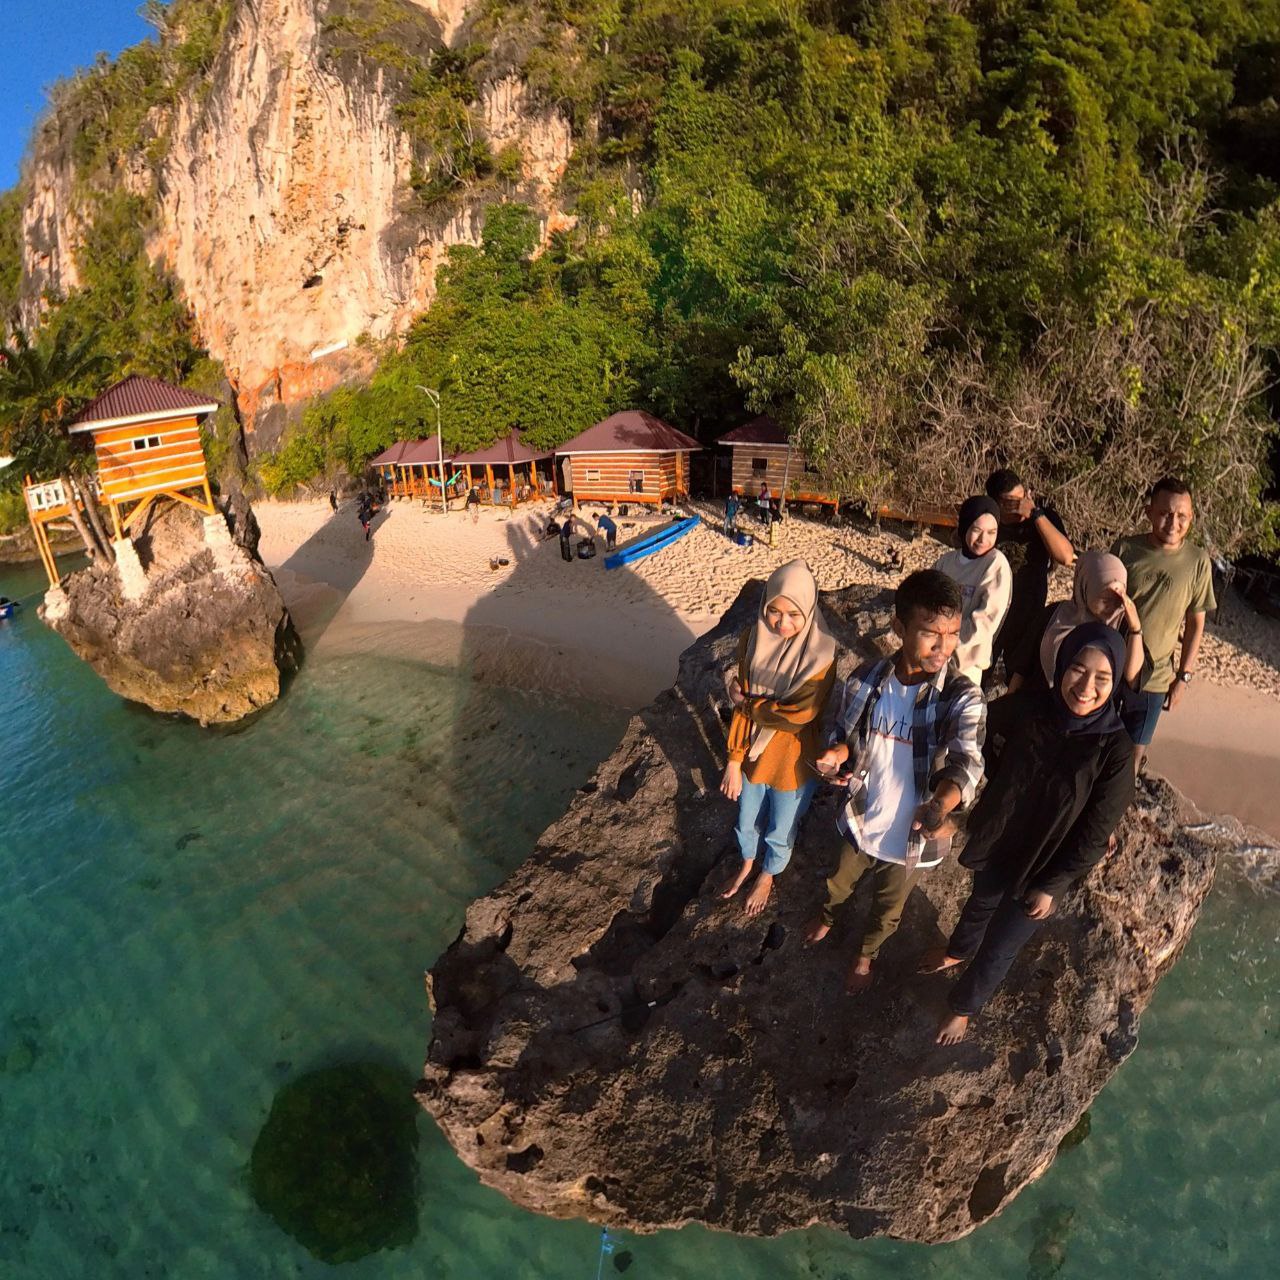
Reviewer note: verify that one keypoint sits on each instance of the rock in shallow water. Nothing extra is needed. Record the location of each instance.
(209, 637)
(611, 1041)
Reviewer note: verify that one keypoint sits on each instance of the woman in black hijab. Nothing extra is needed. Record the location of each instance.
(1057, 792)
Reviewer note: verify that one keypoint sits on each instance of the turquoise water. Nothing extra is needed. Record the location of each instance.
(191, 920)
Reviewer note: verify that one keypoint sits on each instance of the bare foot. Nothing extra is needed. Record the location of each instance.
(759, 895)
(739, 880)
(816, 930)
(858, 979)
(936, 960)
(953, 1028)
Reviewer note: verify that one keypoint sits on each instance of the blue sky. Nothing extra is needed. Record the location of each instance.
(43, 41)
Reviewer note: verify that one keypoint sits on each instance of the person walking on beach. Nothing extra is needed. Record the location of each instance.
(333, 500)
(730, 514)
(908, 740)
(765, 502)
(1171, 581)
(610, 530)
(566, 538)
(784, 676)
(1099, 593)
(985, 580)
(473, 504)
(365, 513)
(1033, 539)
(1056, 793)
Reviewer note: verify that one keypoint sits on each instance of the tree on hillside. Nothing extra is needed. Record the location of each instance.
(43, 384)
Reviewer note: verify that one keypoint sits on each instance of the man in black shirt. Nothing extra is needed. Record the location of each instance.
(1033, 540)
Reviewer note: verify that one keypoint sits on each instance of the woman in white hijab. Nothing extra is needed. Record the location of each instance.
(785, 673)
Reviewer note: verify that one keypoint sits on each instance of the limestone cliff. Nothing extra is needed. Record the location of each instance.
(187, 621)
(612, 1041)
(284, 198)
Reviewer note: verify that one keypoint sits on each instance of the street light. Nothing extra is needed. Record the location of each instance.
(434, 397)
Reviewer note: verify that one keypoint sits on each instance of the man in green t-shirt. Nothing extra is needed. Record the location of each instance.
(1171, 582)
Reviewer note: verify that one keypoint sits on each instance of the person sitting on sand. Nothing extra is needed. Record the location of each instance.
(1099, 593)
(609, 529)
(910, 731)
(785, 674)
(985, 581)
(1172, 584)
(1057, 791)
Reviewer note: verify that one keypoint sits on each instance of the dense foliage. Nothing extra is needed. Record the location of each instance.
(929, 238)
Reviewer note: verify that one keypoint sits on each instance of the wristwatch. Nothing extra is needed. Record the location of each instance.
(1184, 676)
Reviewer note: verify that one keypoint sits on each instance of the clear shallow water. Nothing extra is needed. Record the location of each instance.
(190, 920)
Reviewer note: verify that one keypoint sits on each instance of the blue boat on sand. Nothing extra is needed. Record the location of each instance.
(658, 540)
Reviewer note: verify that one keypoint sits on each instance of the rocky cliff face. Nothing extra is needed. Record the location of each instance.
(612, 1041)
(191, 622)
(285, 206)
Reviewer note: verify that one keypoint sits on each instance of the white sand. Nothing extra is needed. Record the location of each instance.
(617, 634)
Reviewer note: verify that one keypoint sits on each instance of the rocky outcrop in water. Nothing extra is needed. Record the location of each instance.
(285, 204)
(611, 1041)
(188, 622)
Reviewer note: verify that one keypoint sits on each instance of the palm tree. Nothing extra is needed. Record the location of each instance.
(43, 384)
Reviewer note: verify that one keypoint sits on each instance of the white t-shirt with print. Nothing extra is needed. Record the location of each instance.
(891, 775)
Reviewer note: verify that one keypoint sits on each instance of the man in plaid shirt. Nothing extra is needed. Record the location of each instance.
(908, 742)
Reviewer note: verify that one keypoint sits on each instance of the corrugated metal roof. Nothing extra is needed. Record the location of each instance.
(511, 448)
(409, 453)
(144, 399)
(761, 430)
(631, 431)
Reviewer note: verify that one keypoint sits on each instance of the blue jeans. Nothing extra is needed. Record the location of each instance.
(782, 811)
(1153, 705)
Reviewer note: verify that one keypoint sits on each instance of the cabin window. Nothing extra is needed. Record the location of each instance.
(147, 442)
(759, 466)
(635, 481)
(591, 473)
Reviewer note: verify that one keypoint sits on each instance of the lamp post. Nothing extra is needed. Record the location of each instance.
(434, 397)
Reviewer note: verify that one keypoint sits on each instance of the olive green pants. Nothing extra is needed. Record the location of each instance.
(892, 884)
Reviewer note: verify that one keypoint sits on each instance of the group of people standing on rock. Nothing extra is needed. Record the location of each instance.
(1042, 777)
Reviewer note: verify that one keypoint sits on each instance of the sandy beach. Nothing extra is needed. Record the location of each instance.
(423, 588)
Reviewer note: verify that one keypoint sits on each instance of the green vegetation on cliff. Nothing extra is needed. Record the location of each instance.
(929, 238)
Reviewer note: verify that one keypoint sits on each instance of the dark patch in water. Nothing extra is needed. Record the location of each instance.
(1077, 1135)
(184, 840)
(621, 1261)
(1049, 1250)
(335, 1163)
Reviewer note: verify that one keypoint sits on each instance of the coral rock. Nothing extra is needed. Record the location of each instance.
(612, 1041)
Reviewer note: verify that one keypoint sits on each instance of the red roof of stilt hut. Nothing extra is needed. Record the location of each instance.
(139, 399)
(631, 431)
(761, 430)
(409, 453)
(511, 448)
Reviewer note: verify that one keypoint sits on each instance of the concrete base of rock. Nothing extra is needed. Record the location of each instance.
(613, 1041)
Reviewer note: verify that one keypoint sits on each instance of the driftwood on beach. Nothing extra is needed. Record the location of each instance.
(611, 1041)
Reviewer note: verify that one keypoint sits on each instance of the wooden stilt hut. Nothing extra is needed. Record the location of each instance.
(146, 435)
(47, 501)
(761, 454)
(629, 457)
(411, 469)
(509, 467)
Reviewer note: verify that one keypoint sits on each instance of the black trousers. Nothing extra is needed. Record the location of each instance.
(992, 929)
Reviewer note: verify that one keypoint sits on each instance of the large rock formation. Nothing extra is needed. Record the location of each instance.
(189, 621)
(285, 204)
(613, 1042)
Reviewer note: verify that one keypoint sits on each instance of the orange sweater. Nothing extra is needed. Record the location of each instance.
(784, 763)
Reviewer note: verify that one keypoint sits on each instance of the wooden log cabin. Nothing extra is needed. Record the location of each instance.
(409, 467)
(760, 453)
(629, 457)
(508, 469)
(146, 436)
